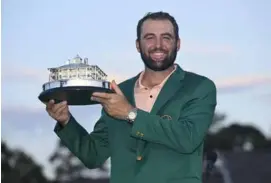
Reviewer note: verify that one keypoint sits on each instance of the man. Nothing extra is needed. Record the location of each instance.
(153, 125)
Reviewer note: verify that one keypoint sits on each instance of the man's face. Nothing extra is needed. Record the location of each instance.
(158, 45)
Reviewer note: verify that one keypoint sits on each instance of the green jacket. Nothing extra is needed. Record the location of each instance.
(163, 146)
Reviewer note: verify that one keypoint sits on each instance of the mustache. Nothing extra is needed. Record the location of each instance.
(158, 50)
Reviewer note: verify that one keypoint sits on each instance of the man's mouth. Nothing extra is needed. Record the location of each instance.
(158, 56)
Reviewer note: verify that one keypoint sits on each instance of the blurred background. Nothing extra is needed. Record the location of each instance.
(227, 41)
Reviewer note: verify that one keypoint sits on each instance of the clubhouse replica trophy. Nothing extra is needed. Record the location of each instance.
(74, 82)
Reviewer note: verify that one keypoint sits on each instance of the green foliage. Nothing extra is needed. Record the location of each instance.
(68, 167)
(235, 137)
(18, 167)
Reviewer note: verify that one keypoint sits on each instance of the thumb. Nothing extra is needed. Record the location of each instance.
(116, 88)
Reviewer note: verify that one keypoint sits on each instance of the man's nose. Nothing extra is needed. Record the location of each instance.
(158, 43)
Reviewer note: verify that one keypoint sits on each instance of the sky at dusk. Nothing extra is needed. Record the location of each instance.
(228, 41)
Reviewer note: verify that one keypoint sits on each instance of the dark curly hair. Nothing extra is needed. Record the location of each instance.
(158, 16)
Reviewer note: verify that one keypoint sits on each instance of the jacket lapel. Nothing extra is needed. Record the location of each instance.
(128, 89)
(172, 85)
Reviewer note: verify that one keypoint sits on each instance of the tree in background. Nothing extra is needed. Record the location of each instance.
(68, 167)
(18, 167)
(235, 137)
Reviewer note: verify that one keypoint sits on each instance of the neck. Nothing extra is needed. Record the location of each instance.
(152, 78)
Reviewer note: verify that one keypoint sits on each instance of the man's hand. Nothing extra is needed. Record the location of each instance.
(59, 112)
(115, 104)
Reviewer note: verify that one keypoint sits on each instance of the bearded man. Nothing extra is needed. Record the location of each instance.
(153, 126)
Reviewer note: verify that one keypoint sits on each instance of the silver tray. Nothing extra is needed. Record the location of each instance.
(74, 91)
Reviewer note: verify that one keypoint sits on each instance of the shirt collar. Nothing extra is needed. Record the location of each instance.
(141, 86)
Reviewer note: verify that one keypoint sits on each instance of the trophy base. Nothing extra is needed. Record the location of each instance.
(74, 95)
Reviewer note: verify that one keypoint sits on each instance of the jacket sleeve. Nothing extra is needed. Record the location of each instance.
(92, 149)
(186, 133)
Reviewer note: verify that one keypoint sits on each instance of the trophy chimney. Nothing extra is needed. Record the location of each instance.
(85, 60)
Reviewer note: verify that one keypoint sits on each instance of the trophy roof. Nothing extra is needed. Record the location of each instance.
(75, 65)
(76, 62)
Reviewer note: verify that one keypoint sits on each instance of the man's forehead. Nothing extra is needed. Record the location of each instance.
(157, 26)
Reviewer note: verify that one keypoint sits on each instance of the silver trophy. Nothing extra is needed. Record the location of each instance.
(74, 82)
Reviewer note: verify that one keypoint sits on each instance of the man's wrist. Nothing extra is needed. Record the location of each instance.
(132, 114)
(64, 123)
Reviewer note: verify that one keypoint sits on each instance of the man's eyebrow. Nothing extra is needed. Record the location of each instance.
(148, 34)
(168, 34)
(164, 34)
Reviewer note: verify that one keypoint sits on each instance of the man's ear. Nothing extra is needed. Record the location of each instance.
(137, 45)
(178, 44)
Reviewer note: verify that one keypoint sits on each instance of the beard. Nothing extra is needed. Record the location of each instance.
(162, 65)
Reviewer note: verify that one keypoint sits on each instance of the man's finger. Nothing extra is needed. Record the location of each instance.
(60, 110)
(116, 88)
(57, 106)
(50, 104)
(101, 95)
(99, 99)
